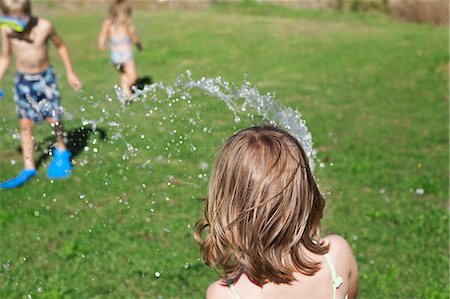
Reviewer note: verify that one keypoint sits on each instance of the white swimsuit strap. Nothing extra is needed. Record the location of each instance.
(337, 280)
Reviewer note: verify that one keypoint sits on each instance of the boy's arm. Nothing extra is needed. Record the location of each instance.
(64, 54)
(103, 35)
(5, 54)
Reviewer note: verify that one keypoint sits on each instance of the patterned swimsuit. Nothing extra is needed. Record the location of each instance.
(37, 96)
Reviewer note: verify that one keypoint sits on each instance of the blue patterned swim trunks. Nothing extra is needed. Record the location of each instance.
(37, 96)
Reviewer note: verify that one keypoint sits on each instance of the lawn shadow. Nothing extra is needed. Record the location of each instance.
(77, 139)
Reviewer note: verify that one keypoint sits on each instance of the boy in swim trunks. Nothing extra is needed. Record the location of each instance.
(35, 87)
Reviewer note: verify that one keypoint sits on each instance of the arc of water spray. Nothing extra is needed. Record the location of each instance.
(237, 98)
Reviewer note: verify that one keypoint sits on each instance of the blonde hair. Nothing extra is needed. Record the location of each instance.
(262, 206)
(121, 12)
(23, 6)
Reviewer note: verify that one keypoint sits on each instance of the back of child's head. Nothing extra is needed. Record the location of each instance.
(16, 6)
(263, 209)
(120, 12)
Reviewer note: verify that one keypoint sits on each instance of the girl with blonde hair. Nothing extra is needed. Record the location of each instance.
(261, 224)
(121, 32)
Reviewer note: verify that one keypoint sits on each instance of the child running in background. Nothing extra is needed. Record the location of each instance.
(35, 88)
(262, 220)
(120, 31)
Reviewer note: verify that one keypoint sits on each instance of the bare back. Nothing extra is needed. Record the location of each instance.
(31, 46)
(118, 31)
(319, 285)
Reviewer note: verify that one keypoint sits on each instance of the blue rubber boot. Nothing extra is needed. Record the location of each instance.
(23, 177)
(60, 167)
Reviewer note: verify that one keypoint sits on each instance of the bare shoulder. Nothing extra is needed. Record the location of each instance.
(341, 253)
(44, 23)
(339, 247)
(217, 290)
(107, 22)
(336, 241)
(342, 256)
(43, 26)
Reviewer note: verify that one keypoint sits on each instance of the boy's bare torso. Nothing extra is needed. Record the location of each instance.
(31, 46)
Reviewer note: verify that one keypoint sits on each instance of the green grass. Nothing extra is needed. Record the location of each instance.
(374, 94)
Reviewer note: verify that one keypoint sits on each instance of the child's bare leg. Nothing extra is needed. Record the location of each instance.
(58, 131)
(126, 87)
(130, 70)
(128, 77)
(27, 142)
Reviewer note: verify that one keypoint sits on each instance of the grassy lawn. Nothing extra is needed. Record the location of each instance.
(374, 94)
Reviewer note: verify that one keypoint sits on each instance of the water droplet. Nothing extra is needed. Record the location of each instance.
(203, 165)
(6, 265)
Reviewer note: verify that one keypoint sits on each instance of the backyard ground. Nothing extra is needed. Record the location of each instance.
(373, 92)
